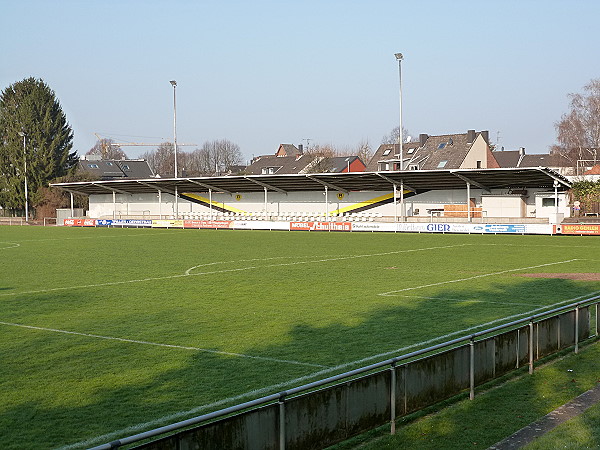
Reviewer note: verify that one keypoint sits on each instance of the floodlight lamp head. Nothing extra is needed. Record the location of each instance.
(399, 56)
(22, 133)
(173, 83)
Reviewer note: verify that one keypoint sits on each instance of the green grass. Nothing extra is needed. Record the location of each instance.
(580, 432)
(261, 312)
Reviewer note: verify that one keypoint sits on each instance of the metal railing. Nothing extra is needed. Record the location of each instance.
(468, 341)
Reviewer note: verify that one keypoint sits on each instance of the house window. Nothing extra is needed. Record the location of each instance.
(442, 145)
(109, 163)
(125, 167)
(387, 151)
(93, 166)
(479, 164)
(411, 150)
(413, 167)
(442, 164)
(548, 201)
(269, 170)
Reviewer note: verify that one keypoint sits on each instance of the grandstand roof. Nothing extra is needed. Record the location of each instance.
(417, 180)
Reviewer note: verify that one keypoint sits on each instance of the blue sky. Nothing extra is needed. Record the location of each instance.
(261, 73)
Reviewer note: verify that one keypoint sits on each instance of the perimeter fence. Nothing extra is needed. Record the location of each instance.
(334, 409)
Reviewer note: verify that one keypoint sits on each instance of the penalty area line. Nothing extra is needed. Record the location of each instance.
(441, 283)
(294, 382)
(157, 344)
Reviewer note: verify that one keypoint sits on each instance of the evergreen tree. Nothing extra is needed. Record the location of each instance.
(30, 107)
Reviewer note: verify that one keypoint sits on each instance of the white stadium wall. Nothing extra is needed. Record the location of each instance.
(498, 203)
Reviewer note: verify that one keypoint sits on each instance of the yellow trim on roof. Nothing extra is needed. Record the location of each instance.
(217, 204)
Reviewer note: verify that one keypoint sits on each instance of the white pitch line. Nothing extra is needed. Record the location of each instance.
(214, 272)
(273, 388)
(12, 245)
(392, 293)
(189, 271)
(156, 344)
(329, 259)
(468, 300)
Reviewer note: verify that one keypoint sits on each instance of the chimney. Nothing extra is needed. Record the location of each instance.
(423, 138)
(486, 136)
(300, 148)
(470, 136)
(521, 151)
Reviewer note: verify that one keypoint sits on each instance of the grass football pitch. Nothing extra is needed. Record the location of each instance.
(105, 333)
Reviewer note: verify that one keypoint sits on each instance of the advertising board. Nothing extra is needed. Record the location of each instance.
(207, 224)
(579, 228)
(167, 224)
(475, 228)
(320, 226)
(80, 222)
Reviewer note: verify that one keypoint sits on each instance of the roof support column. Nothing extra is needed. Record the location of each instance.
(326, 204)
(159, 204)
(402, 209)
(266, 198)
(114, 205)
(72, 212)
(469, 201)
(176, 204)
(395, 206)
(210, 203)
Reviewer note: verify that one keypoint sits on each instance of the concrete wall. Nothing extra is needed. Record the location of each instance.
(323, 417)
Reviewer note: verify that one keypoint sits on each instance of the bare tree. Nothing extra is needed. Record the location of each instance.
(199, 163)
(161, 160)
(578, 131)
(392, 138)
(364, 151)
(321, 158)
(106, 150)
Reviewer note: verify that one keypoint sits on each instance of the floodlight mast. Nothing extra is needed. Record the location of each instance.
(174, 84)
(400, 57)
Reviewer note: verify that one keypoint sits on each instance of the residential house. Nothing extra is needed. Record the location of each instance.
(290, 159)
(518, 158)
(468, 150)
(115, 169)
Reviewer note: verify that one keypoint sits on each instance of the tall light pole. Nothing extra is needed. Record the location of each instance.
(24, 136)
(399, 57)
(174, 84)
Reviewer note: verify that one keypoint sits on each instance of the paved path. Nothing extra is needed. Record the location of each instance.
(560, 415)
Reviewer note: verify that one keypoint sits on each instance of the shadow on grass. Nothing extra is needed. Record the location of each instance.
(60, 391)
